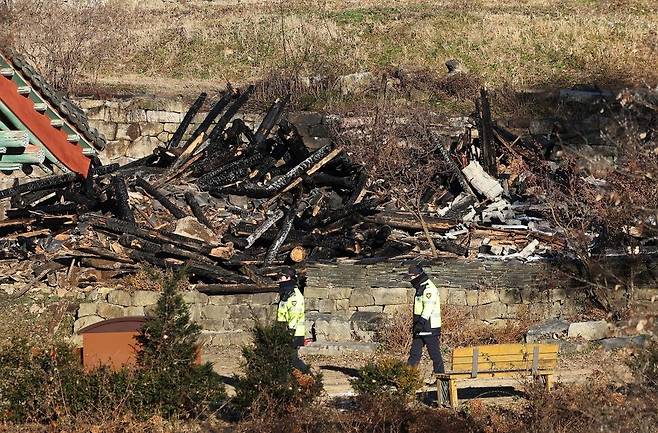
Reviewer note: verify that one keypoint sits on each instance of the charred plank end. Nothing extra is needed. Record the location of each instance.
(197, 211)
(164, 201)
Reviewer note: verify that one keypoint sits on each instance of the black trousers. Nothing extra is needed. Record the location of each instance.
(433, 347)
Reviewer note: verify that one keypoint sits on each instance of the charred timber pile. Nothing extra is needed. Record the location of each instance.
(231, 205)
(235, 206)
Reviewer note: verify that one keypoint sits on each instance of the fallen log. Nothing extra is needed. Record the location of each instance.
(407, 221)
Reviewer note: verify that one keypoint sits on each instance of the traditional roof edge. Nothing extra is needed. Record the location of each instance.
(68, 110)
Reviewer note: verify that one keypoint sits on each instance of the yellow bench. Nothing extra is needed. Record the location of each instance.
(498, 361)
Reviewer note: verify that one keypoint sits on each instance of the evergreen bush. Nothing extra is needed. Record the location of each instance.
(272, 380)
(389, 376)
(47, 383)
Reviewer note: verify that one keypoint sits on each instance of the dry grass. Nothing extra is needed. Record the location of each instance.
(458, 330)
(518, 43)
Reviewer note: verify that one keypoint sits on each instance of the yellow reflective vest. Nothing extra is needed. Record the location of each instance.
(428, 306)
(293, 313)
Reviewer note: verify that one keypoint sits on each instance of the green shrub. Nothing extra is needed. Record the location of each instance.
(47, 383)
(170, 383)
(271, 379)
(389, 376)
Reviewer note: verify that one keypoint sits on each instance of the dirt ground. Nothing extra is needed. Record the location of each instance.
(587, 364)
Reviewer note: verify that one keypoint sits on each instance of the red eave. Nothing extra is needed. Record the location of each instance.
(55, 140)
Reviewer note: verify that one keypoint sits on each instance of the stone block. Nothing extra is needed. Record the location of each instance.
(313, 304)
(327, 306)
(133, 311)
(119, 297)
(494, 310)
(128, 130)
(195, 312)
(212, 324)
(87, 309)
(333, 330)
(398, 309)
(558, 294)
(230, 299)
(194, 297)
(316, 292)
(142, 298)
(261, 314)
(481, 297)
(342, 304)
(389, 295)
(214, 312)
(624, 342)
(265, 298)
(151, 129)
(532, 295)
(109, 311)
(510, 296)
(239, 311)
(339, 293)
(355, 83)
(164, 137)
(455, 297)
(163, 116)
(591, 331)
(548, 330)
(132, 116)
(149, 310)
(83, 322)
(142, 146)
(221, 339)
(361, 298)
(108, 129)
(371, 308)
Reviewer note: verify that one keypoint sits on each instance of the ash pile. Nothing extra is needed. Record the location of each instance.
(236, 206)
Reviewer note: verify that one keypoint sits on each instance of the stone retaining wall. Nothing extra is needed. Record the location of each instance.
(134, 127)
(347, 301)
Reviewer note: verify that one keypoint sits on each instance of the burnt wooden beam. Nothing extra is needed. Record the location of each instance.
(182, 127)
(160, 237)
(197, 211)
(456, 171)
(229, 173)
(123, 209)
(269, 222)
(489, 162)
(216, 109)
(281, 236)
(234, 289)
(271, 118)
(164, 201)
(231, 111)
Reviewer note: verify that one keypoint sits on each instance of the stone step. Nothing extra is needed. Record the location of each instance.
(327, 348)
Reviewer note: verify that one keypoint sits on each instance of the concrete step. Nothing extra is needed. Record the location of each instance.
(327, 348)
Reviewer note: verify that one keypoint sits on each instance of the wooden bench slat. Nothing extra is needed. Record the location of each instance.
(507, 365)
(506, 349)
(502, 358)
(492, 374)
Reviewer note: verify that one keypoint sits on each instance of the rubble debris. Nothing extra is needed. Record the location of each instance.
(235, 206)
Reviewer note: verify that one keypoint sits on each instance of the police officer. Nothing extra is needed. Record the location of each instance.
(291, 307)
(427, 319)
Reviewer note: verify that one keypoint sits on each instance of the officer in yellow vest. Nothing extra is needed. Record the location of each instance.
(427, 320)
(291, 307)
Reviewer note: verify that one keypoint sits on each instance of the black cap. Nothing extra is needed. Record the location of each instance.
(415, 270)
(290, 273)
